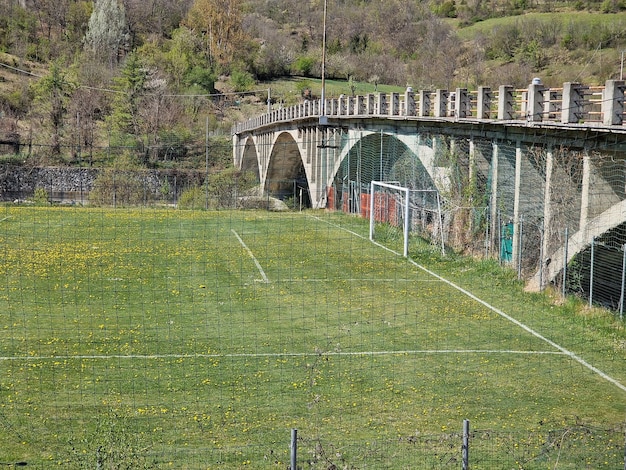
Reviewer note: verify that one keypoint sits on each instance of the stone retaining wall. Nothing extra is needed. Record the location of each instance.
(65, 184)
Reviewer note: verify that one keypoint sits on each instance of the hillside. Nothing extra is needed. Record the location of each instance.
(78, 76)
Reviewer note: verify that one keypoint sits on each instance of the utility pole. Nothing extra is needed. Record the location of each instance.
(323, 118)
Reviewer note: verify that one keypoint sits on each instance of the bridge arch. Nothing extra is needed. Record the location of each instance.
(286, 175)
(608, 220)
(250, 159)
(375, 156)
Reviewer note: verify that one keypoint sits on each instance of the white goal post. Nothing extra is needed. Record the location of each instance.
(404, 206)
(407, 208)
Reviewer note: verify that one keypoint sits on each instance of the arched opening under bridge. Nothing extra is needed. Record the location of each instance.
(377, 157)
(249, 161)
(286, 176)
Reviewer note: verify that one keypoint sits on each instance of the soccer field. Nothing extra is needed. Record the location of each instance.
(159, 338)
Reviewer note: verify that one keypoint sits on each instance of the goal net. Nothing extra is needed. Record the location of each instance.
(401, 211)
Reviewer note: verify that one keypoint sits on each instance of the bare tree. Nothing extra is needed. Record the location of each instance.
(155, 17)
(51, 14)
(220, 23)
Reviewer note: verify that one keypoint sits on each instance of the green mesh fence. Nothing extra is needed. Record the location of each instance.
(477, 181)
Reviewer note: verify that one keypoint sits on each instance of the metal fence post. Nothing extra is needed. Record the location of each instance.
(487, 239)
(206, 158)
(498, 237)
(443, 245)
(625, 440)
(593, 243)
(625, 443)
(114, 189)
(621, 297)
(521, 243)
(565, 262)
(294, 449)
(541, 254)
(465, 448)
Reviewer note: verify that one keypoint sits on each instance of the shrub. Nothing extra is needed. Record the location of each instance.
(41, 197)
(304, 88)
(608, 6)
(172, 144)
(115, 187)
(204, 78)
(194, 197)
(304, 66)
(242, 80)
(223, 191)
(447, 9)
(226, 186)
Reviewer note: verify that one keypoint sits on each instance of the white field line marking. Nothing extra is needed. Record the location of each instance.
(258, 265)
(283, 354)
(304, 279)
(7, 217)
(565, 351)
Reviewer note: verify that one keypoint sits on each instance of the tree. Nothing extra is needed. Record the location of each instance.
(219, 22)
(18, 30)
(107, 31)
(77, 20)
(50, 13)
(155, 17)
(142, 108)
(88, 106)
(182, 55)
(132, 87)
(53, 92)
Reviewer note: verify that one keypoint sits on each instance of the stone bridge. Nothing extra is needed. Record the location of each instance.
(537, 154)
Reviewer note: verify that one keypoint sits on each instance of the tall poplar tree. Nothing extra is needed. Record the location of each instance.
(107, 32)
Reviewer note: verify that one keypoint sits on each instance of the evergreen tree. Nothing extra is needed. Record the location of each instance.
(132, 85)
(52, 94)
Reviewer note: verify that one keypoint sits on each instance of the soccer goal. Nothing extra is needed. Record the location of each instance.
(415, 211)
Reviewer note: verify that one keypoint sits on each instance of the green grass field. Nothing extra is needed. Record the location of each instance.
(158, 338)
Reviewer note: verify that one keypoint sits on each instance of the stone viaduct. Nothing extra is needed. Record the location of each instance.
(522, 149)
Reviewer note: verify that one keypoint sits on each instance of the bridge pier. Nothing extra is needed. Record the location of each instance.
(493, 196)
(613, 102)
(584, 196)
(547, 214)
(573, 102)
(516, 204)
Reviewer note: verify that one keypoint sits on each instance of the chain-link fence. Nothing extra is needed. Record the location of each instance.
(574, 447)
(533, 208)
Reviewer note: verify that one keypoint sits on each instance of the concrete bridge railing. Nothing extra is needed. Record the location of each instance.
(574, 103)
